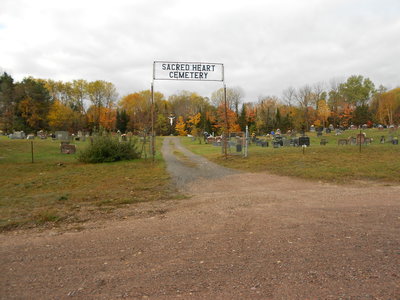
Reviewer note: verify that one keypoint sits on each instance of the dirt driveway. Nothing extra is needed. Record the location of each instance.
(239, 236)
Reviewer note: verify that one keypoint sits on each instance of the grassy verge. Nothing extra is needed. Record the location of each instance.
(56, 188)
(341, 164)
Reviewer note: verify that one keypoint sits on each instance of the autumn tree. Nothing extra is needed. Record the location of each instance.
(323, 112)
(227, 120)
(186, 104)
(138, 108)
(233, 98)
(266, 113)
(60, 116)
(305, 97)
(33, 104)
(388, 107)
(335, 101)
(103, 96)
(180, 126)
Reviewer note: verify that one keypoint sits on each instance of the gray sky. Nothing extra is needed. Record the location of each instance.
(265, 46)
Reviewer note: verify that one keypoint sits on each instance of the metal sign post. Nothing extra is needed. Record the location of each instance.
(152, 142)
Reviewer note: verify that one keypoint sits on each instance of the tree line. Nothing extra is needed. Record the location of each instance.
(79, 105)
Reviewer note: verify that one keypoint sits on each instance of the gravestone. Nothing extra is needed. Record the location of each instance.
(352, 141)
(279, 140)
(342, 142)
(18, 135)
(62, 135)
(276, 144)
(294, 142)
(360, 139)
(68, 148)
(41, 134)
(304, 141)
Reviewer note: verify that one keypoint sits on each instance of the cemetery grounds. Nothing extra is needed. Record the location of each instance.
(328, 231)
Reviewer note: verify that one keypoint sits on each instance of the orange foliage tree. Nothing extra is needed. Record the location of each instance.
(227, 124)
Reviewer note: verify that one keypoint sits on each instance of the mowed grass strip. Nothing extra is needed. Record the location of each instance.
(332, 163)
(56, 188)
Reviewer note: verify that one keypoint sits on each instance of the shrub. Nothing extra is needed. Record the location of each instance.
(109, 149)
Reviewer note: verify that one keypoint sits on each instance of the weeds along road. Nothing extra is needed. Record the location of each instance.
(239, 236)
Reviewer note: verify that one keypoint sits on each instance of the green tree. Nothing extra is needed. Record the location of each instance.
(7, 103)
(357, 90)
(122, 120)
(361, 115)
(242, 120)
(161, 125)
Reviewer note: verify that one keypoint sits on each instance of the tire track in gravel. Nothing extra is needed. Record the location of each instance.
(187, 168)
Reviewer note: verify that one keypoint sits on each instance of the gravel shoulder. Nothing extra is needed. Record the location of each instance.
(239, 236)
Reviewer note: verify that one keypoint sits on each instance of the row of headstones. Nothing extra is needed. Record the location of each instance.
(58, 135)
(282, 141)
(365, 141)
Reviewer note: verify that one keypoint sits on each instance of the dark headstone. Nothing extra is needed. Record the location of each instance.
(304, 141)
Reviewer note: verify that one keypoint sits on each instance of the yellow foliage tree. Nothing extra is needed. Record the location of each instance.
(60, 116)
(180, 126)
(323, 111)
(193, 122)
(30, 112)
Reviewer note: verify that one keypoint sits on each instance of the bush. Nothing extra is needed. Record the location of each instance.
(109, 149)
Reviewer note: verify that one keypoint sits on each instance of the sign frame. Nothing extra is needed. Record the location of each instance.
(152, 144)
(188, 68)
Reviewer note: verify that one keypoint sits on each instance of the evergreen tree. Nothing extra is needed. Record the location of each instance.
(7, 103)
(361, 115)
(242, 120)
(122, 120)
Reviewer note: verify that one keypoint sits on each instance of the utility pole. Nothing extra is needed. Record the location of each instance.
(152, 145)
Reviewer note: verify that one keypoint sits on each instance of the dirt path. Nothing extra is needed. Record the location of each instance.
(240, 236)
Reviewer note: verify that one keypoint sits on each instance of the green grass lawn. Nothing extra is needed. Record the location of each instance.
(334, 163)
(56, 188)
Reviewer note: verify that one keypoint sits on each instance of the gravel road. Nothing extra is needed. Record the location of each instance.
(244, 236)
(189, 168)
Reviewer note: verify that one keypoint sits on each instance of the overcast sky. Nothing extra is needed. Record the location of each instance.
(265, 46)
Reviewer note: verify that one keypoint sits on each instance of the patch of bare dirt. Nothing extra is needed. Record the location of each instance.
(240, 236)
